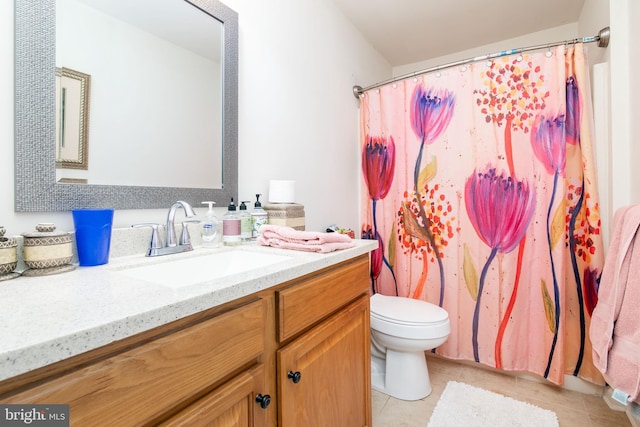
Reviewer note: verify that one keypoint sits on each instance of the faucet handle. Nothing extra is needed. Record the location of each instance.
(156, 240)
(185, 238)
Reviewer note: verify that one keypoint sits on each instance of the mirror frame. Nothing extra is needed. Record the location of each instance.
(36, 189)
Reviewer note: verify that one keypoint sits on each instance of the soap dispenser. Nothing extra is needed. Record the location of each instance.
(231, 226)
(245, 222)
(211, 231)
(258, 217)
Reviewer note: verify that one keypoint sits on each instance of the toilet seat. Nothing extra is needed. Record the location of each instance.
(407, 311)
(408, 318)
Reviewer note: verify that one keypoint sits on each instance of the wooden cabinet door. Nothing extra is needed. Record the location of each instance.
(332, 364)
(232, 405)
(148, 381)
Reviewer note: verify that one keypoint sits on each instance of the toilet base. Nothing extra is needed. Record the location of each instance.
(402, 375)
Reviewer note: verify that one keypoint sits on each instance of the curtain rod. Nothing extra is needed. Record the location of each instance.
(602, 39)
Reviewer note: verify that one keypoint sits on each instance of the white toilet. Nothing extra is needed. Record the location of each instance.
(402, 329)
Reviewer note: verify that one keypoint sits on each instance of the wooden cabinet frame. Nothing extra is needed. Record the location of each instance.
(208, 368)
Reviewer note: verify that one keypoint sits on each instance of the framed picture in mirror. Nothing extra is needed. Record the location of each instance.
(72, 119)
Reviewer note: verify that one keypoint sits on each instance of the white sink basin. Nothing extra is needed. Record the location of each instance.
(198, 269)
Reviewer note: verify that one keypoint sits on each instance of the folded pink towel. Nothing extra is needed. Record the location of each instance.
(284, 237)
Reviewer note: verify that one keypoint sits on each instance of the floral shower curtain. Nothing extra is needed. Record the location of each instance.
(479, 185)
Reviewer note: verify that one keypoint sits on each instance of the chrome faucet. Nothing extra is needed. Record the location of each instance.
(156, 247)
(171, 229)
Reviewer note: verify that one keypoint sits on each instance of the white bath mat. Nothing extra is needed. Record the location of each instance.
(464, 405)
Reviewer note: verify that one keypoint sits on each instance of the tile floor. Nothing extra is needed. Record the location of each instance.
(571, 407)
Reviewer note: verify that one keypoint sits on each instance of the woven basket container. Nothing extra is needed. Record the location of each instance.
(289, 214)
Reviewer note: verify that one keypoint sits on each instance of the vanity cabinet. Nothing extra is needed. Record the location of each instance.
(296, 354)
(324, 365)
(323, 381)
(176, 371)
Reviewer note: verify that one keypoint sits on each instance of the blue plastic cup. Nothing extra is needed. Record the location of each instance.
(93, 235)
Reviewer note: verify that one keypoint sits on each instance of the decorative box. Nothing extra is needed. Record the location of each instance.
(8, 254)
(47, 251)
(289, 214)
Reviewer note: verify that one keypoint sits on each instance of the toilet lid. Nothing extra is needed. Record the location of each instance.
(406, 310)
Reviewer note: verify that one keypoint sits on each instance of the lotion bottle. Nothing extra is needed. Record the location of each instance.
(231, 226)
(245, 222)
(258, 217)
(211, 231)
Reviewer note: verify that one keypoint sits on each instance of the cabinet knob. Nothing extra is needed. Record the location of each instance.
(263, 400)
(294, 376)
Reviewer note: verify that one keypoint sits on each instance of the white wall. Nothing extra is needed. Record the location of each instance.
(564, 32)
(631, 87)
(297, 115)
(594, 16)
(620, 109)
(625, 91)
(633, 92)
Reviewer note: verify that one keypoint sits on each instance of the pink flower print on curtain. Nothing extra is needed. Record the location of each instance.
(378, 166)
(449, 127)
(376, 256)
(591, 285)
(431, 113)
(574, 111)
(514, 90)
(500, 209)
(548, 143)
(579, 245)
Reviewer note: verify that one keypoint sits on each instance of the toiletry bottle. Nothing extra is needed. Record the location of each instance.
(231, 226)
(259, 216)
(211, 231)
(245, 222)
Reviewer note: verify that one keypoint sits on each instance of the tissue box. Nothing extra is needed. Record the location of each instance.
(289, 214)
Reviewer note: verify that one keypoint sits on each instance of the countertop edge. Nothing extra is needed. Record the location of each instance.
(32, 348)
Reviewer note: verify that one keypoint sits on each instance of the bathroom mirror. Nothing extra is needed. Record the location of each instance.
(38, 188)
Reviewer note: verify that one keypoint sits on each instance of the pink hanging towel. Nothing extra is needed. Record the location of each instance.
(615, 324)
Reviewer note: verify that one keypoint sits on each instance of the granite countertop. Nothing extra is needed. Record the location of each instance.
(50, 318)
